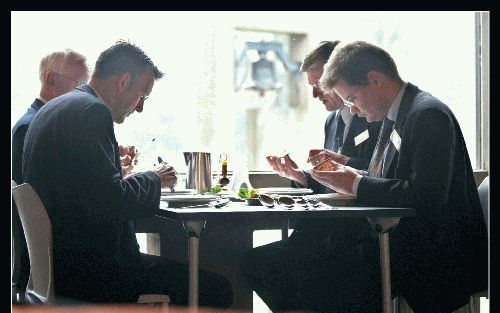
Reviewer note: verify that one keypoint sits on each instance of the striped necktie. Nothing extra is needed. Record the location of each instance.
(339, 133)
(375, 167)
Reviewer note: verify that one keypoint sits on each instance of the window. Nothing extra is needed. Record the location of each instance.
(195, 106)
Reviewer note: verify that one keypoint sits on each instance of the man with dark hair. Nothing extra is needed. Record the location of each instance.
(440, 257)
(72, 159)
(279, 271)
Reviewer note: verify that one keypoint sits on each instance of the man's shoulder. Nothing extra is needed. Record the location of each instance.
(426, 102)
(75, 100)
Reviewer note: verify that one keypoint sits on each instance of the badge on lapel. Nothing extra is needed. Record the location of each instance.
(396, 140)
(361, 137)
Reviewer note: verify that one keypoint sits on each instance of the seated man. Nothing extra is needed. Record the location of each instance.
(59, 72)
(284, 266)
(438, 258)
(71, 158)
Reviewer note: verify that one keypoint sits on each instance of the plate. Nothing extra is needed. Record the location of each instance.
(167, 192)
(335, 199)
(177, 201)
(286, 191)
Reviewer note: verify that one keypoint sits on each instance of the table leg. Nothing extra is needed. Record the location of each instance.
(383, 225)
(385, 267)
(193, 231)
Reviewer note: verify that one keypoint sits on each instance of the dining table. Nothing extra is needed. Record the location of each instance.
(194, 218)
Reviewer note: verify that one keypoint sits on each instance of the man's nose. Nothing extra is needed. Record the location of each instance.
(316, 92)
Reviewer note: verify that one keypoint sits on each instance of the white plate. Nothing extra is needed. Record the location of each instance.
(190, 198)
(167, 192)
(177, 201)
(286, 191)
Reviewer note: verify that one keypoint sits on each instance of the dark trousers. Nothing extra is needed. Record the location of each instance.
(170, 277)
(309, 272)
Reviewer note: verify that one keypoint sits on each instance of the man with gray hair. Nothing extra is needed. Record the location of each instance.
(60, 72)
(72, 159)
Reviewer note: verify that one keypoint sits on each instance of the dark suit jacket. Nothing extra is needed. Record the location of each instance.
(439, 257)
(71, 159)
(360, 155)
(18, 134)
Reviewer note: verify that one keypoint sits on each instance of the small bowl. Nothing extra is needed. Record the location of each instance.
(286, 201)
(266, 200)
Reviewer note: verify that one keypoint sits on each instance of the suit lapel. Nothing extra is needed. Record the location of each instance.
(408, 97)
(330, 131)
(355, 128)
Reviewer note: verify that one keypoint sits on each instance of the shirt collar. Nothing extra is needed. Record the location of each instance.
(41, 99)
(394, 108)
(346, 115)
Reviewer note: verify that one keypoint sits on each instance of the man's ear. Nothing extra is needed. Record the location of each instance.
(375, 78)
(123, 81)
(50, 79)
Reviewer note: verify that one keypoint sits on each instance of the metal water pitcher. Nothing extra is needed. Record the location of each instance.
(199, 171)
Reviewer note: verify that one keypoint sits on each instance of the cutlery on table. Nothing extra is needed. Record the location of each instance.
(172, 189)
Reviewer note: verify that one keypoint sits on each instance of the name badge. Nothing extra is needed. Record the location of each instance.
(396, 140)
(361, 137)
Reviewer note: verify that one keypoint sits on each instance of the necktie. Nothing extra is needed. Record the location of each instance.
(339, 133)
(375, 167)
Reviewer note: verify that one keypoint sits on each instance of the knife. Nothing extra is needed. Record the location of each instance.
(160, 160)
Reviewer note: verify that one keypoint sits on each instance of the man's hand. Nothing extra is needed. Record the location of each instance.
(286, 167)
(317, 156)
(340, 179)
(167, 174)
(128, 158)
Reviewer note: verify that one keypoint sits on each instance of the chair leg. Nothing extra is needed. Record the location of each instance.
(474, 304)
(395, 305)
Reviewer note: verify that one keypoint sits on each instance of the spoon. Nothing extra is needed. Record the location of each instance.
(301, 201)
(314, 202)
(266, 200)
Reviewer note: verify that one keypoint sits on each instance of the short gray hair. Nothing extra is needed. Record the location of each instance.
(57, 61)
(124, 57)
(318, 56)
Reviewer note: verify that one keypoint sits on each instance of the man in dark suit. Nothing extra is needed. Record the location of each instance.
(350, 140)
(59, 72)
(440, 257)
(71, 158)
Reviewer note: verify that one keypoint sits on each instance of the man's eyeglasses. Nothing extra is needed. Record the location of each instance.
(349, 102)
(317, 86)
(77, 81)
(143, 98)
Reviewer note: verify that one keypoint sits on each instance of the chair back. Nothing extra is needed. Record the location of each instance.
(483, 191)
(38, 233)
(16, 261)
